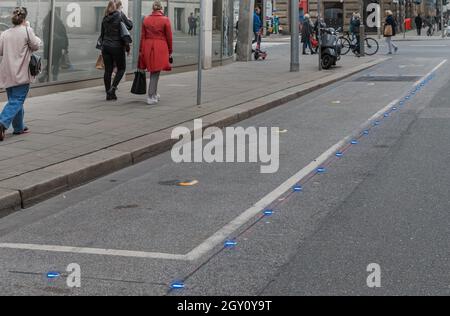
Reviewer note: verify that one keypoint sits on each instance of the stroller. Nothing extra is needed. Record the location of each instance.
(258, 53)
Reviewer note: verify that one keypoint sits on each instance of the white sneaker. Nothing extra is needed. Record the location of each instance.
(152, 101)
(158, 97)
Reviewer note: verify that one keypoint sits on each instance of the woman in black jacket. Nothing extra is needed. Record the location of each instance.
(113, 47)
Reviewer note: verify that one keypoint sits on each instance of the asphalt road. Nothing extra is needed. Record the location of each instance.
(384, 202)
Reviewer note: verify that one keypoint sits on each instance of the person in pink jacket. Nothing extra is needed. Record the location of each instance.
(16, 47)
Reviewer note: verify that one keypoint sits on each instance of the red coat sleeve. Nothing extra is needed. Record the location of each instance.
(141, 64)
(169, 36)
(142, 36)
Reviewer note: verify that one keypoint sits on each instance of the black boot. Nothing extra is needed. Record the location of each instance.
(111, 94)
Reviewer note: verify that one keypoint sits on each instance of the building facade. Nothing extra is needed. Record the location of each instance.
(80, 22)
(337, 13)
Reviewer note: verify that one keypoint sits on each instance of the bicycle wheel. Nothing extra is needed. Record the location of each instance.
(372, 46)
(345, 45)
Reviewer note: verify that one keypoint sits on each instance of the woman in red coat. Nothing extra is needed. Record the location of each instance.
(156, 48)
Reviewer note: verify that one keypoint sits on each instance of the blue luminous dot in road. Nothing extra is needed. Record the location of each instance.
(402, 103)
(298, 188)
(177, 286)
(407, 97)
(386, 114)
(366, 132)
(268, 212)
(53, 275)
(376, 123)
(354, 142)
(339, 155)
(230, 244)
(321, 170)
(394, 109)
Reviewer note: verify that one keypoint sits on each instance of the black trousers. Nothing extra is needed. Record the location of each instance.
(114, 57)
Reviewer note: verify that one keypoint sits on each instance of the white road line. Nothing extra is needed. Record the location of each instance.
(225, 232)
(428, 45)
(95, 251)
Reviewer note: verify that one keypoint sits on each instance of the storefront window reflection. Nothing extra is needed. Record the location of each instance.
(69, 52)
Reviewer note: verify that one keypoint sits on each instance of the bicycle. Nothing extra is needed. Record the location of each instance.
(348, 43)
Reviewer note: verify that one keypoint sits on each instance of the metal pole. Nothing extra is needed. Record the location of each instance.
(295, 45)
(200, 52)
(137, 17)
(264, 15)
(442, 18)
(362, 31)
(319, 34)
(50, 45)
(379, 14)
(404, 19)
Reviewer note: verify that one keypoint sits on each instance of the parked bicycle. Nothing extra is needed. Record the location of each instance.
(348, 42)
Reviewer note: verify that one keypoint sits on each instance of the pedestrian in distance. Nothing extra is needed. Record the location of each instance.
(113, 47)
(196, 24)
(16, 47)
(276, 24)
(257, 25)
(351, 27)
(192, 21)
(307, 32)
(390, 31)
(355, 27)
(419, 24)
(319, 23)
(156, 47)
(428, 23)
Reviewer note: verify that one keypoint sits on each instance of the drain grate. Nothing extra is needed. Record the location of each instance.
(388, 79)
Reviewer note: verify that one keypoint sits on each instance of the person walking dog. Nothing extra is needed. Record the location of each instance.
(155, 52)
(16, 47)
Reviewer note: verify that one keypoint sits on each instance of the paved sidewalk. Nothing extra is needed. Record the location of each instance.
(76, 136)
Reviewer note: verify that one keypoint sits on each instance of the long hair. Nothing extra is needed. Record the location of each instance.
(119, 4)
(110, 8)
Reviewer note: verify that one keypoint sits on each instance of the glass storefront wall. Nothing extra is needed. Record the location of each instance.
(77, 25)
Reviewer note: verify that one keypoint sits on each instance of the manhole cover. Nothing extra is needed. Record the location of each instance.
(388, 78)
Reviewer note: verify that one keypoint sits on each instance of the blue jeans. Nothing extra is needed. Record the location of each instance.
(13, 112)
(307, 44)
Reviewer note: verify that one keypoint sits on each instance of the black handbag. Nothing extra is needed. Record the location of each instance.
(125, 34)
(139, 83)
(35, 61)
(99, 44)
